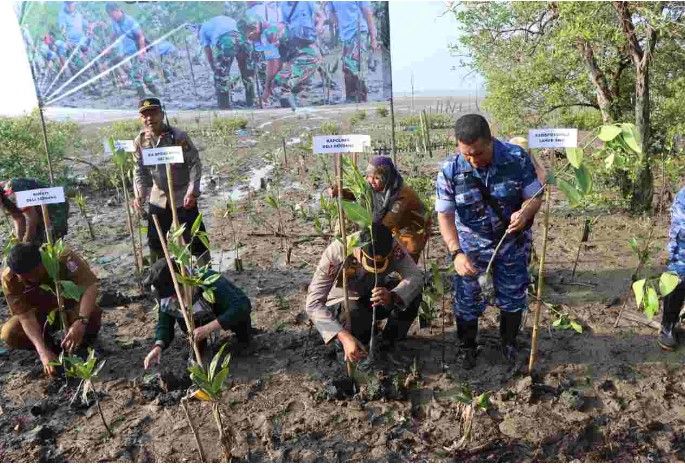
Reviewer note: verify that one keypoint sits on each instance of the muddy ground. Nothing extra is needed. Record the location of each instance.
(608, 394)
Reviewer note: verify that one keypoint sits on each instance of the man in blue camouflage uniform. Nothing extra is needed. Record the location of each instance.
(673, 302)
(355, 23)
(222, 43)
(480, 196)
(132, 43)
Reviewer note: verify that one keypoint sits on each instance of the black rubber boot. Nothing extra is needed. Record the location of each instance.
(509, 326)
(670, 324)
(467, 331)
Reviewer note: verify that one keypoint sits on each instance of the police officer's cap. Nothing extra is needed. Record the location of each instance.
(149, 103)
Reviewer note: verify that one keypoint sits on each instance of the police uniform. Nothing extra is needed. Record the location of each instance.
(152, 180)
(221, 33)
(23, 298)
(325, 296)
(509, 180)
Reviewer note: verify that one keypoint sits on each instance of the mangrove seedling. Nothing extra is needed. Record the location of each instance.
(229, 214)
(81, 203)
(87, 371)
(647, 291)
(210, 387)
(467, 404)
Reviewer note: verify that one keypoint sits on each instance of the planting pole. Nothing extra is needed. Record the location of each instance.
(285, 155)
(129, 221)
(538, 301)
(184, 310)
(174, 215)
(343, 233)
(192, 428)
(190, 61)
(58, 293)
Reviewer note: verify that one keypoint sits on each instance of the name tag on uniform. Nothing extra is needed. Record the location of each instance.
(162, 155)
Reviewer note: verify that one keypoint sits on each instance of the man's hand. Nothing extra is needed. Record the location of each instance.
(189, 201)
(518, 221)
(45, 357)
(354, 352)
(153, 358)
(200, 333)
(74, 336)
(463, 265)
(380, 296)
(138, 206)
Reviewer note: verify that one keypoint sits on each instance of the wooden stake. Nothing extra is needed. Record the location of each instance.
(129, 221)
(174, 215)
(58, 292)
(190, 323)
(200, 450)
(343, 233)
(285, 155)
(541, 272)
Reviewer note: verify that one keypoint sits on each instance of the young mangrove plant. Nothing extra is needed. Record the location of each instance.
(81, 204)
(467, 405)
(230, 212)
(647, 291)
(210, 386)
(86, 370)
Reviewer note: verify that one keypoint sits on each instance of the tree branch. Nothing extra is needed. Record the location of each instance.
(569, 105)
(624, 16)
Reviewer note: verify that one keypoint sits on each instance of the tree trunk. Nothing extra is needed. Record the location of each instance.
(643, 187)
(604, 96)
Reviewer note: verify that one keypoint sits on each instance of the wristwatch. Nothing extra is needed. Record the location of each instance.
(83, 320)
(455, 253)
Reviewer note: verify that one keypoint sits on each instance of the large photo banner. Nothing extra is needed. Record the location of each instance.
(207, 55)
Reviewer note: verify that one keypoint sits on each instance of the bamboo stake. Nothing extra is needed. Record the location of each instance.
(536, 323)
(174, 215)
(343, 233)
(184, 310)
(285, 155)
(200, 450)
(129, 221)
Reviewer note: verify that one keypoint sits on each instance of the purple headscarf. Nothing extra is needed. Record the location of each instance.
(392, 184)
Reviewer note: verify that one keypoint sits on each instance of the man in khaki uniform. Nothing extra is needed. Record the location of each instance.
(30, 305)
(399, 304)
(151, 181)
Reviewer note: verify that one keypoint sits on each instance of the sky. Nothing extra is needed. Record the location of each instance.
(419, 38)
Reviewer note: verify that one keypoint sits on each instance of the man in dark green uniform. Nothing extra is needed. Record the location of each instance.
(151, 181)
(230, 311)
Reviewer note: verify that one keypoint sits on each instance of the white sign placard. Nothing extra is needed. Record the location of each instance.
(127, 146)
(354, 143)
(162, 155)
(37, 197)
(553, 138)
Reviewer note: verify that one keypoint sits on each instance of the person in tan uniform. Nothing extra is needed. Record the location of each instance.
(30, 305)
(368, 269)
(396, 206)
(151, 181)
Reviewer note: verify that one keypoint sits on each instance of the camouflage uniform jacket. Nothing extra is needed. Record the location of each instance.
(676, 242)
(326, 289)
(153, 179)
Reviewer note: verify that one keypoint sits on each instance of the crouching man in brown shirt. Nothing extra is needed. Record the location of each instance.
(30, 304)
(368, 285)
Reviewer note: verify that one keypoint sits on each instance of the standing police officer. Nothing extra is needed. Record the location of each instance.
(151, 181)
(480, 193)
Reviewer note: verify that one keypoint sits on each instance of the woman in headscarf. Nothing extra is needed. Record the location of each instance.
(396, 206)
(28, 222)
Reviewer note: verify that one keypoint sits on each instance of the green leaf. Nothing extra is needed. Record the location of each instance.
(634, 246)
(577, 327)
(208, 295)
(556, 323)
(639, 291)
(575, 156)
(51, 316)
(211, 279)
(667, 283)
(572, 193)
(196, 225)
(204, 240)
(71, 290)
(631, 136)
(609, 161)
(215, 362)
(177, 233)
(651, 303)
(356, 213)
(47, 288)
(584, 180)
(483, 400)
(438, 284)
(609, 132)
